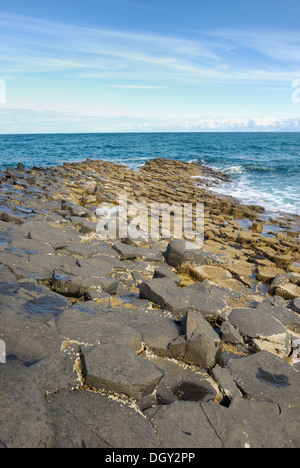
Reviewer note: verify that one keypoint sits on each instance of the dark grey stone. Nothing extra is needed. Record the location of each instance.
(262, 329)
(118, 369)
(264, 376)
(164, 271)
(24, 421)
(83, 419)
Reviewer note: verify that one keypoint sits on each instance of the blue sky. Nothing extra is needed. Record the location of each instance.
(135, 65)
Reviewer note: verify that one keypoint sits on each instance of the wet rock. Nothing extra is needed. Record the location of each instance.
(182, 383)
(25, 313)
(266, 377)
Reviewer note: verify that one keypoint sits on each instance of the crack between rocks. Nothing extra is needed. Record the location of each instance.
(212, 426)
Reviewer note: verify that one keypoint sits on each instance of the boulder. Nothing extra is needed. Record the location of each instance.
(264, 331)
(118, 369)
(266, 377)
(181, 252)
(164, 271)
(202, 342)
(127, 252)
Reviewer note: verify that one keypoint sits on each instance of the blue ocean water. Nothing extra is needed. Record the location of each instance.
(263, 167)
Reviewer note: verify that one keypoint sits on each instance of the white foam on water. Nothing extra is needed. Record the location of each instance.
(270, 199)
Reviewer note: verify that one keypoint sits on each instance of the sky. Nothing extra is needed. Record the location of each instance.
(136, 66)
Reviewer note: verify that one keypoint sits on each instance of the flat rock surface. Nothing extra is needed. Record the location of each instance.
(140, 342)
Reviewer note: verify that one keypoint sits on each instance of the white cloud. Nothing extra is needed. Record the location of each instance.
(30, 45)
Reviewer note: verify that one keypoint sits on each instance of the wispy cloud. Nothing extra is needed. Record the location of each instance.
(136, 87)
(31, 45)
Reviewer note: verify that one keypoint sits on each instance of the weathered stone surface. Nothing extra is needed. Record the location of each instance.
(60, 371)
(88, 324)
(180, 252)
(128, 251)
(230, 334)
(85, 419)
(24, 422)
(266, 377)
(265, 332)
(296, 305)
(203, 343)
(206, 298)
(182, 383)
(254, 424)
(102, 264)
(118, 369)
(289, 319)
(44, 232)
(48, 236)
(164, 271)
(183, 424)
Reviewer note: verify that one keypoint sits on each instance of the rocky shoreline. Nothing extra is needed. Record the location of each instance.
(143, 343)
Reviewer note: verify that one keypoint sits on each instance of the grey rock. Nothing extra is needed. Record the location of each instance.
(85, 419)
(118, 369)
(265, 332)
(127, 252)
(164, 271)
(57, 237)
(183, 424)
(183, 384)
(24, 421)
(103, 264)
(32, 247)
(264, 376)
(60, 371)
(89, 324)
(296, 305)
(208, 299)
(180, 252)
(230, 334)
(203, 343)
(226, 383)
(157, 331)
(6, 276)
(254, 424)
(289, 318)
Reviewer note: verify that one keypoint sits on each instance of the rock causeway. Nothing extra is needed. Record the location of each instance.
(134, 341)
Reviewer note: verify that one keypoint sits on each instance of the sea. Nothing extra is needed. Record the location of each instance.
(262, 168)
